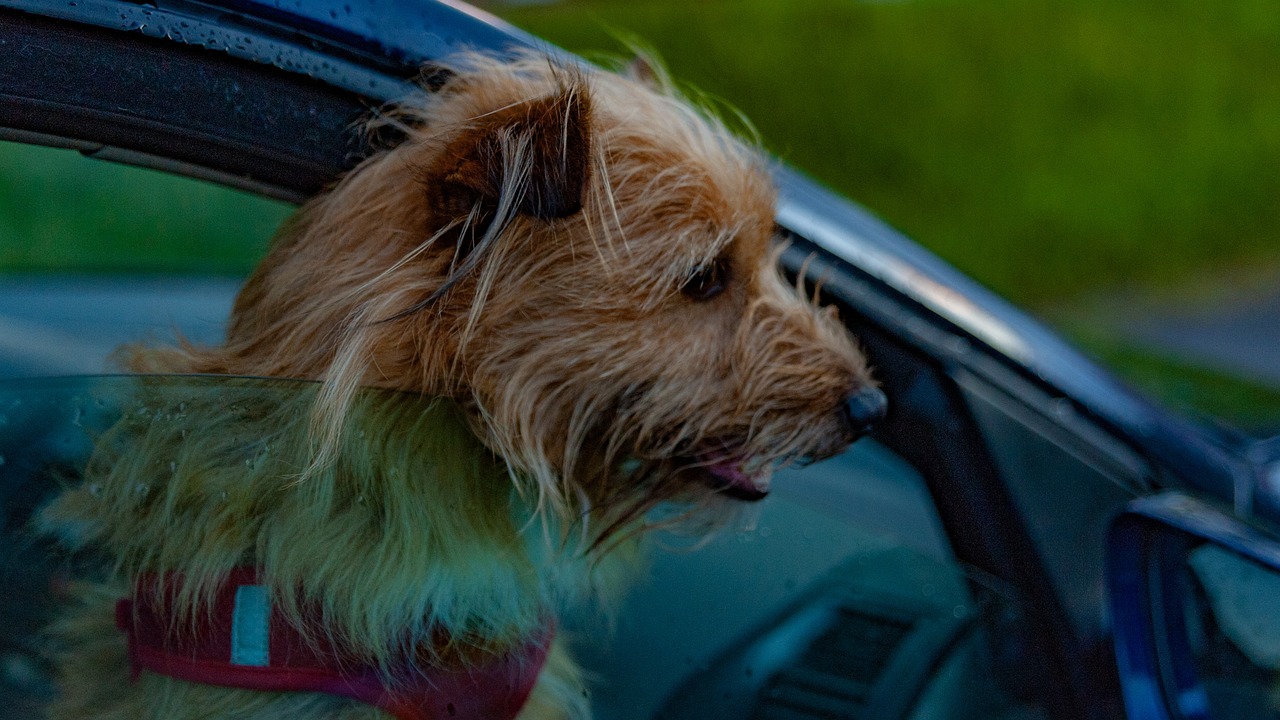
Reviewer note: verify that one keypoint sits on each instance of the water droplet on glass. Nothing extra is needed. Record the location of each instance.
(1062, 408)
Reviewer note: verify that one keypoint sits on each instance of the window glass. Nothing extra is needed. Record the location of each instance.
(1066, 489)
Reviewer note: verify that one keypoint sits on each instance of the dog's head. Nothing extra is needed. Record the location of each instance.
(583, 260)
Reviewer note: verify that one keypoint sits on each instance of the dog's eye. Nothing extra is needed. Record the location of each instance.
(707, 281)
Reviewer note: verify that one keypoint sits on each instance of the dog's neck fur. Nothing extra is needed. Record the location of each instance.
(413, 533)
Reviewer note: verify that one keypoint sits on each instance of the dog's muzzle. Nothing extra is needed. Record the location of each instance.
(862, 410)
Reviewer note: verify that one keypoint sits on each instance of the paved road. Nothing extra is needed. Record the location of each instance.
(65, 325)
(1239, 336)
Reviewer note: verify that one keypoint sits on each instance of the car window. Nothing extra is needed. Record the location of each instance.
(1068, 481)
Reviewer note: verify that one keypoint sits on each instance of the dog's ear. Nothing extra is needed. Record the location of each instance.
(532, 157)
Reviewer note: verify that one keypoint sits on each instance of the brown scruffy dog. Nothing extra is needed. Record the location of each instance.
(549, 308)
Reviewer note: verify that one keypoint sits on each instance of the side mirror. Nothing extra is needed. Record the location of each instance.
(1195, 606)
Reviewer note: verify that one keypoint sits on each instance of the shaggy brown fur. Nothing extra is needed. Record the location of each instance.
(562, 283)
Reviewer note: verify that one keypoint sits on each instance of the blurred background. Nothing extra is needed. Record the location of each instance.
(1110, 166)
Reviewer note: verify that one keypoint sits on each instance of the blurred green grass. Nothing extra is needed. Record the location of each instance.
(1192, 391)
(62, 212)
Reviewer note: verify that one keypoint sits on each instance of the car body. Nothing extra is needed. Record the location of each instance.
(990, 486)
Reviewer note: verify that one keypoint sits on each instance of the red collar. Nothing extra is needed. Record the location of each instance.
(241, 643)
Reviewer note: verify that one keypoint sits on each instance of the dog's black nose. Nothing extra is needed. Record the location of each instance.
(864, 409)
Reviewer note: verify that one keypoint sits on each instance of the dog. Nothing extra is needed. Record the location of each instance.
(550, 306)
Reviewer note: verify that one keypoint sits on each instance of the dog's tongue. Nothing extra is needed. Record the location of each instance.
(737, 483)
